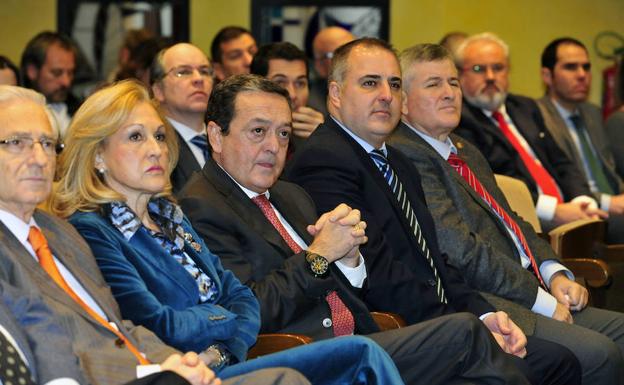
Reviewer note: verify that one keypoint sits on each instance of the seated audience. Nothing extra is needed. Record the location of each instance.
(141, 59)
(132, 40)
(576, 125)
(9, 74)
(495, 249)
(43, 255)
(510, 132)
(347, 160)
(452, 40)
(286, 65)
(232, 50)
(259, 227)
(181, 80)
(115, 185)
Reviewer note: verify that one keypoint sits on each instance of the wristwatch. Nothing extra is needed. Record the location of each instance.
(318, 264)
(222, 357)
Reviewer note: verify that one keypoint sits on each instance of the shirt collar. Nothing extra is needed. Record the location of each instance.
(364, 144)
(251, 194)
(17, 226)
(502, 109)
(186, 132)
(443, 148)
(565, 114)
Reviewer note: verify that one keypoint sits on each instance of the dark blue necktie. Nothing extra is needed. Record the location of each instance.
(399, 192)
(201, 141)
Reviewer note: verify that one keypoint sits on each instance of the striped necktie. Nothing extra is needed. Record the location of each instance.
(462, 168)
(401, 196)
(201, 141)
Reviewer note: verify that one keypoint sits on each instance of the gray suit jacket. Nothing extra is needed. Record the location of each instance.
(102, 358)
(46, 347)
(593, 121)
(474, 239)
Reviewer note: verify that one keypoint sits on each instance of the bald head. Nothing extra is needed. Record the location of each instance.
(325, 43)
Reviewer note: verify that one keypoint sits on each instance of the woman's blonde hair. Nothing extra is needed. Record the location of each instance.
(80, 186)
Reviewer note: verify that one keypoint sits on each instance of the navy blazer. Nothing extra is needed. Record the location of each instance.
(156, 291)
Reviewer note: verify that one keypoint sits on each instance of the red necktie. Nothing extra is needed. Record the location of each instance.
(342, 319)
(46, 260)
(462, 168)
(543, 179)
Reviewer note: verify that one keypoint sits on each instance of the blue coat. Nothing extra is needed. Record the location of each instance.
(154, 290)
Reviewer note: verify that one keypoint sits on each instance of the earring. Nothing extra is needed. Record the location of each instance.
(101, 170)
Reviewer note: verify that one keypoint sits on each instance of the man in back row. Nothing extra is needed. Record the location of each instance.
(496, 250)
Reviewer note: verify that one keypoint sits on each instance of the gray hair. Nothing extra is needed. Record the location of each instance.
(421, 53)
(485, 37)
(10, 94)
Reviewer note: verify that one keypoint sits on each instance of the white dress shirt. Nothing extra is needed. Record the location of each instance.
(187, 133)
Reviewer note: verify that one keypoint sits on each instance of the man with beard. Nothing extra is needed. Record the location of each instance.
(510, 132)
(47, 66)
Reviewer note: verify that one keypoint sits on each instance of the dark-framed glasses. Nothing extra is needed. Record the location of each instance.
(185, 71)
(22, 145)
(482, 68)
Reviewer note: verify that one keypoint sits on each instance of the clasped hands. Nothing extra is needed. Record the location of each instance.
(192, 368)
(338, 235)
(570, 296)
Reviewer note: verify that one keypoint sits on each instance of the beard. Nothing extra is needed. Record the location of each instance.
(485, 101)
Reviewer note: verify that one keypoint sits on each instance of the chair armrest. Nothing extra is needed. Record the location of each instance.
(595, 271)
(387, 321)
(275, 342)
(576, 239)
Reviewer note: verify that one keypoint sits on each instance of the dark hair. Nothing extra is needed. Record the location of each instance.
(284, 50)
(142, 56)
(37, 48)
(222, 103)
(549, 55)
(338, 67)
(224, 35)
(5, 63)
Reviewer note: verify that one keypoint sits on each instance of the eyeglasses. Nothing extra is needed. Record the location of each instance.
(482, 68)
(22, 145)
(205, 72)
(325, 56)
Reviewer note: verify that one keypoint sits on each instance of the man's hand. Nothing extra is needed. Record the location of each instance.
(568, 212)
(191, 368)
(508, 335)
(562, 314)
(617, 204)
(338, 233)
(569, 293)
(305, 121)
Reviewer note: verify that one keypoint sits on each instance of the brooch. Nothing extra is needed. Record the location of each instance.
(189, 238)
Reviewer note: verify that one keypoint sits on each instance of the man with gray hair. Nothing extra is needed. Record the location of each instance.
(510, 132)
(497, 252)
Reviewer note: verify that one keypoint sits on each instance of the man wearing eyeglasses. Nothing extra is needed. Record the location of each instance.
(576, 125)
(182, 79)
(510, 132)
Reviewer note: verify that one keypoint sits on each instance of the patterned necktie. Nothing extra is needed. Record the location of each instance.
(13, 370)
(594, 163)
(201, 141)
(342, 319)
(46, 260)
(401, 196)
(462, 168)
(539, 174)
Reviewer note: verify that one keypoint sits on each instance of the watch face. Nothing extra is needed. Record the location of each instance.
(319, 265)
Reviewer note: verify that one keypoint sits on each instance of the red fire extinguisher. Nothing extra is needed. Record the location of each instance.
(610, 45)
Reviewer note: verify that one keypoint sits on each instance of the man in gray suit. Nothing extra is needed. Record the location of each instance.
(28, 146)
(576, 125)
(498, 252)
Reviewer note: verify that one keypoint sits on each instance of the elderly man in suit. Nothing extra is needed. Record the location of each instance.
(182, 77)
(347, 160)
(302, 275)
(576, 125)
(508, 129)
(44, 255)
(493, 247)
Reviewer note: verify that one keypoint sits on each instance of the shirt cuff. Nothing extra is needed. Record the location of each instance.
(484, 316)
(605, 202)
(355, 275)
(545, 303)
(545, 207)
(549, 268)
(146, 370)
(62, 381)
(592, 204)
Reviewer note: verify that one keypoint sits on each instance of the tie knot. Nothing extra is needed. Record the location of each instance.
(36, 238)
(454, 160)
(261, 200)
(200, 141)
(379, 157)
(498, 116)
(577, 121)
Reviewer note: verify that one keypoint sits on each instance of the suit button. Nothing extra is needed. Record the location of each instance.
(327, 323)
(119, 343)
(431, 282)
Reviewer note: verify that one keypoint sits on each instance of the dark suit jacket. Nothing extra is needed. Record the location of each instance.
(333, 168)
(187, 165)
(234, 228)
(475, 239)
(45, 345)
(481, 131)
(102, 360)
(592, 118)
